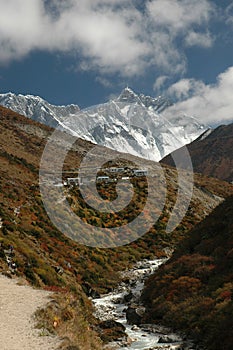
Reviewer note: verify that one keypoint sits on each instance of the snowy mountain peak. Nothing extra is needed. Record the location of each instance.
(37, 108)
(128, 95)
(131, 123)
(158, 104)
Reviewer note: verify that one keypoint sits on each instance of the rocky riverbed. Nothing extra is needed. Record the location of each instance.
(121, 314)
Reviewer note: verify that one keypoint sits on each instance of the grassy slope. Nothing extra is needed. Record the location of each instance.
(39, 246)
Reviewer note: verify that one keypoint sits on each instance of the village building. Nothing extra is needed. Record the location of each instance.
(140, 172)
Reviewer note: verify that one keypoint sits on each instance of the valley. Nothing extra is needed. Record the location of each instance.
(48, 259)
(123, 306)
(116, 175)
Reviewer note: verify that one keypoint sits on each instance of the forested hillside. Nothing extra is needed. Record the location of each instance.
(193, 291)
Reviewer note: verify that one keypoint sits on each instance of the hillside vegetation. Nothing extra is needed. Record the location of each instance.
(31, 247)
(193, 291)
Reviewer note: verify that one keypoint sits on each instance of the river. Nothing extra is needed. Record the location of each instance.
(113, 306)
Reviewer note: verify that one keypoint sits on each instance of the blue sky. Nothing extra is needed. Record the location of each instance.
(86, 51)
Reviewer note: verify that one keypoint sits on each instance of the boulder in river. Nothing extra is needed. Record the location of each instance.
(134, 315)
(128, 297)
(111, 330)
(167, 339)
(135, 328)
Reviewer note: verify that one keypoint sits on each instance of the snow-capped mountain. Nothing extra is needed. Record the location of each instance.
(36, 108)
(158, 104)
(130, 123)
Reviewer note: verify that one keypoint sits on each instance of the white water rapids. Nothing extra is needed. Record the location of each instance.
(112, 306)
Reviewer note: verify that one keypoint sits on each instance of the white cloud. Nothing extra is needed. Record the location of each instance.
(103, 81)
(112, 36)
(180, 15)
(185, 88)
(103, 32)
(159, 82)
(165, 55)
(199, 39)
(208, 103)
(229, 14)
(20, 27)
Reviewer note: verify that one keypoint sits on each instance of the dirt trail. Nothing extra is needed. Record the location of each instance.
(17, 306)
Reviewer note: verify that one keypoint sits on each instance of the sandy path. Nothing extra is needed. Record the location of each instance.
(17, 305)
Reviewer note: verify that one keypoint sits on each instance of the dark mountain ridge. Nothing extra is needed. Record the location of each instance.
(193, 291)
(211, 155)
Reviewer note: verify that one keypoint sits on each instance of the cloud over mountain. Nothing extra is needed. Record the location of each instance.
(210, 103)
(111, 36)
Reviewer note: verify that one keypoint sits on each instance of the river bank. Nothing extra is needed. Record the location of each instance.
(123, 308)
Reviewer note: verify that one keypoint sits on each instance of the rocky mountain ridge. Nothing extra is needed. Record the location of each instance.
(36, 108)
(131, 123)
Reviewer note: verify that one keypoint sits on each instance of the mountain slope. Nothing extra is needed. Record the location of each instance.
(193, 291)
(211, 155)
(49, 259)
(24, 218)
(30, 246)
(130, 123)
